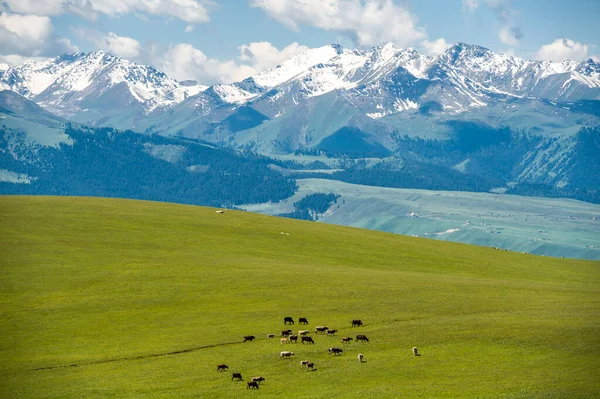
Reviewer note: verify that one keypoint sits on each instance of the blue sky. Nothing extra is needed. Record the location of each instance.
(215, 41)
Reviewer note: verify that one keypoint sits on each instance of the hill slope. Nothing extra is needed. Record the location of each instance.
(118, 298)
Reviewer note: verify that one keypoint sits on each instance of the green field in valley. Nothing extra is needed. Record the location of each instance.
(542, 226)
(105, 298)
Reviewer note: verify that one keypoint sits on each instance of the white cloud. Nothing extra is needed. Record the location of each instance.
(510, 32)
(367, 22)
(189, 28)
(123, 46)
(470, 5)
(184, 62)
(24, 33)
(16, 59)
(508, 35)
(263, 55)
(563, 49)
(435, 47)
(192, 11)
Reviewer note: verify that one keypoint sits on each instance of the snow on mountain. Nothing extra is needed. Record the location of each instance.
(69, 81)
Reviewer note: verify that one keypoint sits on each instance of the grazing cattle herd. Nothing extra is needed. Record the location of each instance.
(287, 337)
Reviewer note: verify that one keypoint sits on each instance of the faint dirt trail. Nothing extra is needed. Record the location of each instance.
(122, 359)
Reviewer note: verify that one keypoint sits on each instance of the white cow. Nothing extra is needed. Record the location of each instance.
(360, 357)
(286, 354)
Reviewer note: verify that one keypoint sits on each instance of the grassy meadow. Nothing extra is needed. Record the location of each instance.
(106, 298)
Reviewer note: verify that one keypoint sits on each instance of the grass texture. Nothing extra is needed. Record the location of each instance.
(107, 298)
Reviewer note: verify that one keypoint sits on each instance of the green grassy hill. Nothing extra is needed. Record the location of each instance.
(104, 298)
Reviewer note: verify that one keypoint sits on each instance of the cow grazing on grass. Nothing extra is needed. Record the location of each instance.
(222, 367)
(303, 332)
(357, 323)
(270, 336)
(360, 357)
(310, 365)
(237, 376)
(283, 341)
(362, 338)
(258, 380)
(307, 340)
(293, 338)
(286, 354)
(286, 333)
(249, 338)
(303, 363)
(331, 333)
(321, 329)
(416, 351)
(252, 385)
(335, 351)
(288, 320)
(302, 320)
(346, 340)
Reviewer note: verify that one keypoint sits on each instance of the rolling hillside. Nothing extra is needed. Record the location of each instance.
(120, 298)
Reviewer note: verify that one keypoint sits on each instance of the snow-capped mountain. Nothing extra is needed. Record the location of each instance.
(72, 84)
(384, 87)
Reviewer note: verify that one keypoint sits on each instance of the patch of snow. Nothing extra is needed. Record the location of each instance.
(169, 152)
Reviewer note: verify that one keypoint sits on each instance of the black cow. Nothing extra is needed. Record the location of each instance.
(321, 329)
(335, 351)
(357, 323)
(310, 365)
(307, 340)
(237, 375)
(252, 384)
(362, 338)
(302, 320)
(331, 332)
(293, 338)
(249, 338)
(346, 340)
(288, 320)
(222, 367)
(286, 333)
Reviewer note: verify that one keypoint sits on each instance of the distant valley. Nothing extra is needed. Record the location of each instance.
(469, 120)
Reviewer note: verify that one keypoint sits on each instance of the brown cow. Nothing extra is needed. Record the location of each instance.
(237, 375)
(285, 333)
(346, 340)
(357, 323)
(331, 332)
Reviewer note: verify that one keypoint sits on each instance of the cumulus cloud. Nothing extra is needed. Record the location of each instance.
(510, 32)
(15, 59)
(24, 34)
(183, 61)
(367, 22)
(563, 49)
(192, 11)
(435, 47)
(263, 55)
(123, 46)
